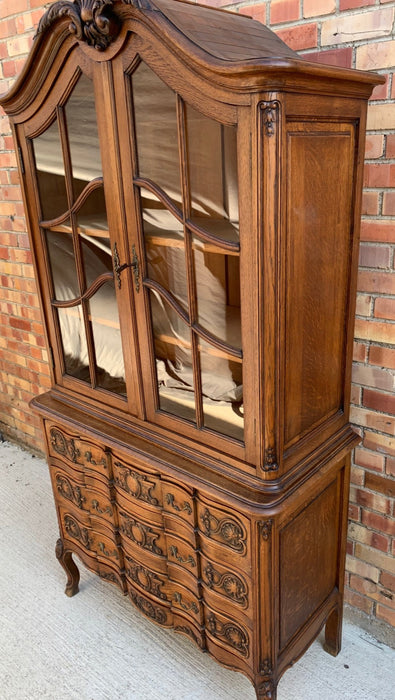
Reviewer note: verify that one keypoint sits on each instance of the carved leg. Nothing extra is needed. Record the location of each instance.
(73, 575)
(333, 632)
(267, 690)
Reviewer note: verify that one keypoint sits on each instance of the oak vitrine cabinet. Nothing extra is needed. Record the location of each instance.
(192, 190)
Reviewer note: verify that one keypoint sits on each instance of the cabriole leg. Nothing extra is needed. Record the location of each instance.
(66, 560)
(333, 632)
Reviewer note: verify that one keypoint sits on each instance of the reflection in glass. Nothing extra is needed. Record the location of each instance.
(156, 125)
(62, 263)
(218, 292)
(212, 158)
(165, 249)
(103, 314)
(75, 349)
(83, 136)
(94, 236)
(222, 389)
(173, 358)
(50, 173)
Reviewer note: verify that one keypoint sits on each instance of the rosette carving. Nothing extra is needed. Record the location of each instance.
(91, 21)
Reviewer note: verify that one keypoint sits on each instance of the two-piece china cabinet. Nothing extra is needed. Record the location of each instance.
(192, 190)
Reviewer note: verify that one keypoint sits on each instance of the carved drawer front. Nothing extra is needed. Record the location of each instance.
(231, 635)
(179, 528)
(138, 486)
(107, 573)
(76, 451)
(181, 555)
(139, 535)
(224, 536)
(224, 586)
(146, 578)
(135, 509)
(150, 607)
(85, 499)
(185, 602)
(178, 501)
(100, 544)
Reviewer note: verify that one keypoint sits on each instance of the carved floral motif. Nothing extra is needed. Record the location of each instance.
(67, 490)
(76, 531)
(148, 608)
(229, 632)
(145, 578)
(63, 446)
(229, 583)
(227, 529)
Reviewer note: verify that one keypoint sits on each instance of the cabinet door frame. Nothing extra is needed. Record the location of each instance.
(48, 108)
(170, 71)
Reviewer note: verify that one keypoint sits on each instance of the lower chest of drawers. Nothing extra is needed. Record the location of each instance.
(182, 559)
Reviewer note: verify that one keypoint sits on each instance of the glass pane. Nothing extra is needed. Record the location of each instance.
(62, 262)
(103, 314)
(83, 136)
(173, 358)
(156, 131)
(218, 292)
(95, 242)
(165, 250)
(50, 173)
(222, 389)
(74, 344)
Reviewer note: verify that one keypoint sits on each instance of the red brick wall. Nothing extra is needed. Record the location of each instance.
(353, 33)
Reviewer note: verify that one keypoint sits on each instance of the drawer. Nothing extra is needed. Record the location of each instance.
(185, 602)
(179, 528)
(137, 485)
(77, 451)
(102, 545)
(224, 527)
(227, 633)
(142, 535)
(181, 556)
(227, 584)
(135, 509)
(107, 573)
(85, 499)
(157, 612)
(178, 501)
(145, 578)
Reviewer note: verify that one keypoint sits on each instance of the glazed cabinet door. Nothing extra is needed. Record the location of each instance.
(182, 192)
(75, 218)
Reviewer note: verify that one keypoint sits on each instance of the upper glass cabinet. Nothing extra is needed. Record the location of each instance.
(75, 232)
(186, 183)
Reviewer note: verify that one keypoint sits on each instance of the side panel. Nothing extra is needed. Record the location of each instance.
(320, 170)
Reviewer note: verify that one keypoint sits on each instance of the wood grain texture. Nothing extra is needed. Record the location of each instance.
(236, 542)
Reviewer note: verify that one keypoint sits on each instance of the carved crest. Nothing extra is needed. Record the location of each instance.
(91, 21)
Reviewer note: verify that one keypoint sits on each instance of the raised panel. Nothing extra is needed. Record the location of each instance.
(320, 185)
(308, 559)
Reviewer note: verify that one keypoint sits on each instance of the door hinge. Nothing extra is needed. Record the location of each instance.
(21, 163)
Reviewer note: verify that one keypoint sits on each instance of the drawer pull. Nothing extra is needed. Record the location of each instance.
(104, 551)
(101, 463)
(101, 511)
(173, 552)
(185, 507)
(177, 597)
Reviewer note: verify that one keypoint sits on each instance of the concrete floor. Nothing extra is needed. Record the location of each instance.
(96, 646)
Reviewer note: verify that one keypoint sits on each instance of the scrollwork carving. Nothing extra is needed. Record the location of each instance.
(91, 21)
(77, 532)
(67, 490)
(148, 608)
(229, 583)
(179, 509)
(227, 529)
(177, 597)
(173, 552)
(63, 446)
(231, 633)
(141, 488)
(145, 578)
(140, 534)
